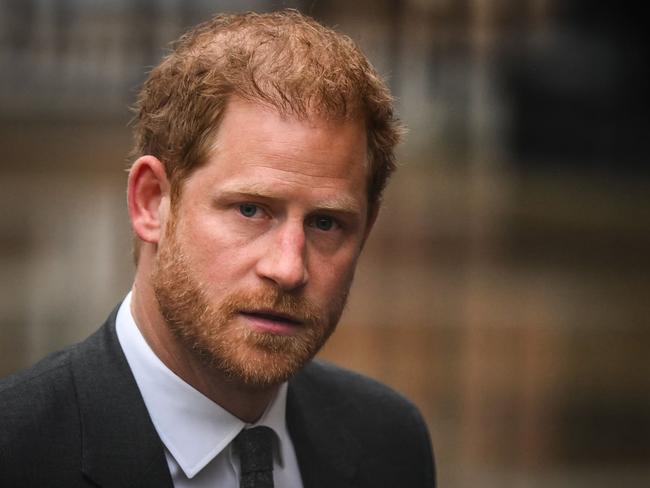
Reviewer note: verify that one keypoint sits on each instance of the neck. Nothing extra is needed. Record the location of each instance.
(246, 403)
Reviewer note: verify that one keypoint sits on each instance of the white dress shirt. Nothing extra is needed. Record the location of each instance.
(195, 431)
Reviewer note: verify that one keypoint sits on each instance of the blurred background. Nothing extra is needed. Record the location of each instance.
(506, 287)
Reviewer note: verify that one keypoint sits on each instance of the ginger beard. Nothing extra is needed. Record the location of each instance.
(210, 329)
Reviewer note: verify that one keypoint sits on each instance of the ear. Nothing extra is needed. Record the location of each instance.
(148, 198)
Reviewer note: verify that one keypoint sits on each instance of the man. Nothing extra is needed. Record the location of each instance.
(263, 143)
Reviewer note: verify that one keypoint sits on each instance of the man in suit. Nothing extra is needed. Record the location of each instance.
(263, 144)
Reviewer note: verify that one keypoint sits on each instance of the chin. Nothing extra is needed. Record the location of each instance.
(260, 360)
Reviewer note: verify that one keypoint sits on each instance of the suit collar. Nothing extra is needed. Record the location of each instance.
(120, 446)
(327, 451)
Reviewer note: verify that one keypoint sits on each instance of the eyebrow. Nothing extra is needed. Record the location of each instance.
(339, 204)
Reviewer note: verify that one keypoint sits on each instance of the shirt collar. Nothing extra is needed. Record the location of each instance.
(192, 427)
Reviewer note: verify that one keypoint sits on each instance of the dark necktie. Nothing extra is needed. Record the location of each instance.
(255, 457)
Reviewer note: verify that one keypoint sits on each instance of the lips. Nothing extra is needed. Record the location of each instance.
(271, 315)
(271, 319)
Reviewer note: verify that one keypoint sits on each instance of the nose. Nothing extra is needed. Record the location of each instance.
(284, 261)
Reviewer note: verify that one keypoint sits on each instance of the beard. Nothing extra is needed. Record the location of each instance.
(239, 353)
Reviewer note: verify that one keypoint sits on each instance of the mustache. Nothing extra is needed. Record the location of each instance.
(273, 301)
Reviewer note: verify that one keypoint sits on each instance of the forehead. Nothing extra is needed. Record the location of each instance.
(281, 151)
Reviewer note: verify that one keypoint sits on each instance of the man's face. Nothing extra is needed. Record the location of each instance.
(258, 255)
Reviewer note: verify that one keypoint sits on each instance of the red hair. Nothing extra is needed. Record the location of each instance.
(281, 59)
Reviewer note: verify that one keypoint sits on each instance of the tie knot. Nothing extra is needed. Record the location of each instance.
(255, 447)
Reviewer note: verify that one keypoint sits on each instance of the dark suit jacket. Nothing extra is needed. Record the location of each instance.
(77, 419)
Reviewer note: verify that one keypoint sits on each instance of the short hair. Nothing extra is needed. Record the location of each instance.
(283, 59)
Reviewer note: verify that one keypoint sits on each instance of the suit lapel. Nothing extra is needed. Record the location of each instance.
(120, 446)
(327, 452)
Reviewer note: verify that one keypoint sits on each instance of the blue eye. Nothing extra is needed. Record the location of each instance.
(248, 209)
(323, 223)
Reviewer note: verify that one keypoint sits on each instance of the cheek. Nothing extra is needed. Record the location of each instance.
(333, 276)
(215, 255)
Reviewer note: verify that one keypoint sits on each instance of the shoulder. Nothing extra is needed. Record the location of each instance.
(41, 416)
(38, 420)
(360, 400)
(46, 380)
(361, 403)
(53, 376)
(48, 389)
(354, 391)
(385, 427)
